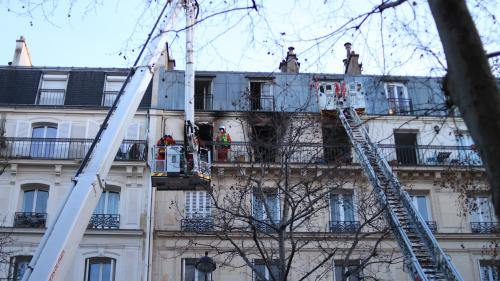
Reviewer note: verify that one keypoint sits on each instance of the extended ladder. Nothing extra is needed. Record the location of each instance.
(423, 256)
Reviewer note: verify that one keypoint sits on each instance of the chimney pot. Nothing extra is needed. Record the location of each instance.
(348, 47)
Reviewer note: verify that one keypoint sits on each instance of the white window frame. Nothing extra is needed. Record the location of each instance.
(427, 204)
(263, 95)
(196, 272)
(14, 266)
(61, 77)
(112, 271)
(479, 213)
(47, 149)
(267, 274)
(197, 211)
(341, 209)
(490, 265)
(106, 193)
(387, 85)
(109, 96)
(264, 213)
(35, 199)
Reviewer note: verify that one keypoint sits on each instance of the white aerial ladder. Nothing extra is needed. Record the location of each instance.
(58, 246)
(424, 258)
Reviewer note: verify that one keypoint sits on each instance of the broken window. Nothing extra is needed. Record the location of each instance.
(336, 144)
(203, 94)
(261, 96)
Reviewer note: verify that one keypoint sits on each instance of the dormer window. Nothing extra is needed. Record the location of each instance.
(399, 102)
(52, 89)
(112, 87)
(261, 95)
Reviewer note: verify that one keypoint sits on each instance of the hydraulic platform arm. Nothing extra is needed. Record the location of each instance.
(58, 246)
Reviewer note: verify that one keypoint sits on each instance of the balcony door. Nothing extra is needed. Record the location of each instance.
(406, 147)
(43, 141)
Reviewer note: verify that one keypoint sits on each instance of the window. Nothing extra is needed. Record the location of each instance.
(106, 214)
(467, 152)
(261, 96)
(397, 97)
(190, 273)
(198, 216)
(482, 215)
(406, 147)
(34, 208)
(271, 273)
(18, 266)
(342, 213)
(266, 209)
(100, 269)
(43, 143)
(112, 87)
(203, 94)
(52, 89)
(421, 204)
(349, 270)
(489, 270)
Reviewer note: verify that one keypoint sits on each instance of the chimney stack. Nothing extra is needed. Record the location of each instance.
(351, 62)
(21, 54)
(290, 64)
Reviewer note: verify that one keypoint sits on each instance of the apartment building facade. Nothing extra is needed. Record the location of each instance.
(426, 144)
(50, 117)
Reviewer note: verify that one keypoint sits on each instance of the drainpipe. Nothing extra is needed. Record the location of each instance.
(148, 245)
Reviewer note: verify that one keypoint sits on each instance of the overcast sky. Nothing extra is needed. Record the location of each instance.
(108, 33)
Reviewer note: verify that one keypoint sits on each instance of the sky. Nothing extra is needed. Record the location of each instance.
(108, 33)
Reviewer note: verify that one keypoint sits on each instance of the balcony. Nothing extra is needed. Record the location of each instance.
(197, 224)
(485, 227)
(65, 149)
(30, 219)
(51, 97)
(316, 153)
(344, 226)
(400, 106)
(108, 98)
(104, 221)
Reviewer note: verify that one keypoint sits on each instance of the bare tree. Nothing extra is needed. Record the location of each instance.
(270, 208)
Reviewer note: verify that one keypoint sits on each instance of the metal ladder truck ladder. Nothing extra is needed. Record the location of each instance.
(423, 256)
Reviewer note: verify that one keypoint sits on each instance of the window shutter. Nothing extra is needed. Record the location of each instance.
(22, 148)
(62, 146)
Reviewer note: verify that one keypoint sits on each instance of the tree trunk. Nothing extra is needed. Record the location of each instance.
(471, 84)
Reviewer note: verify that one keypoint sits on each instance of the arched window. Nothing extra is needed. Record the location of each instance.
(106, 214)
(43, 143)
(100, 269)
(33, 209)
(18, 266)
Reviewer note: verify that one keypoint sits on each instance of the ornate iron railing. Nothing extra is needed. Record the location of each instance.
(30, 219)
(400, 106)
(317, 153)
(197, 225)
(104, 221)
(65, 149)
(51, 97)
(432, 226)
(344, 226)
(485, 227)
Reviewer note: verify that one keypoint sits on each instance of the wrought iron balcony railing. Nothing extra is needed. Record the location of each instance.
(485, 227)
(65, 149)
(344, 226)
(104, 221)
(197, 224)
(400, 106)
(108, 98)
(51, 97)
(317, 153)
(266, 226)
(432, 226)
(30, 219)
(262, 103)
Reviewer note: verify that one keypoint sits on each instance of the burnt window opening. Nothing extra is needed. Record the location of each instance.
(265, 143)
(203, 97)
(261, 96)
(336, 144)
(205, 133)
(406, 147)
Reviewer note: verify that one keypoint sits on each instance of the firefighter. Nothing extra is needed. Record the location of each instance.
(223, 142)
(166, 140)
